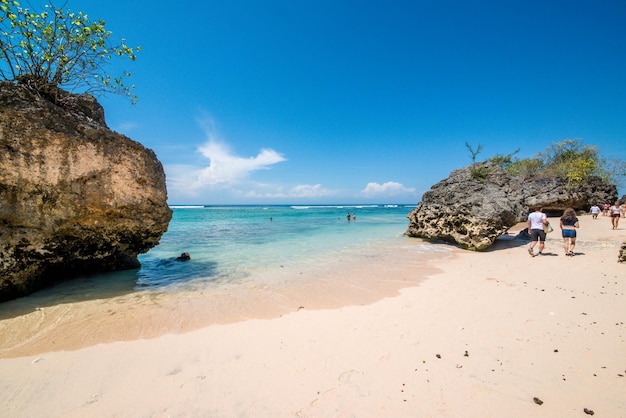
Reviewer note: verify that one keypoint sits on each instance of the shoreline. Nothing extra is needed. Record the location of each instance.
(479, 334)
(53, 321)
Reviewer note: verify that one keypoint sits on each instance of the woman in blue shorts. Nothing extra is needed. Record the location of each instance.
(569, 223)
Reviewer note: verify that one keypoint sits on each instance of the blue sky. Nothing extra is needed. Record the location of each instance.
(295, 101)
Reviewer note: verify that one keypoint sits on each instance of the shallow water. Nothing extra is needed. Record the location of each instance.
(228, 243)
(246, 262)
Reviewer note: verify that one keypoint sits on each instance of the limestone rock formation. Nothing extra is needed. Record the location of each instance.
(75, 197)
(472, 213)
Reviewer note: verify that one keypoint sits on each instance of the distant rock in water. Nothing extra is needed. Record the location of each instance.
(184, 257)
(75, 197)
(472, 213)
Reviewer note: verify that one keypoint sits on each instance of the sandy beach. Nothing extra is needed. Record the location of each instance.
(474, 335)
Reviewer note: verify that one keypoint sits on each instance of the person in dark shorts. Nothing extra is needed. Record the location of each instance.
(595, 211)
(615, 212)
(568, 224)
(536, 222)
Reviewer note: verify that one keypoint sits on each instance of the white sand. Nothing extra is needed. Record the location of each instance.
(550, 327)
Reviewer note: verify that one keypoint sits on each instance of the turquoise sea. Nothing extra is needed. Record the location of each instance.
(247, 262)
(256, 245)
(262, 246)
(235, 243)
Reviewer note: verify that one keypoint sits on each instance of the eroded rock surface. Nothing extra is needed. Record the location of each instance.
(75, 197)
(472, 213)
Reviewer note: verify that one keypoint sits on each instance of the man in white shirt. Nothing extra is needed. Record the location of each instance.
(536, 222)
(595, 211)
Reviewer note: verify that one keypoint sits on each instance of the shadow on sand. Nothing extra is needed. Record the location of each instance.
(99, 286)
(507, 241)
(153, 275)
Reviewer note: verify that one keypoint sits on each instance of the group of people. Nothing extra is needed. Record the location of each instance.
(616, 212)
(538, 225)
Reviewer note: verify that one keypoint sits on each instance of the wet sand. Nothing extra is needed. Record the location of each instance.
(81, 313)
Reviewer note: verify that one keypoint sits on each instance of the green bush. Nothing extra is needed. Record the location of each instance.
(572, 161)
(569, 160)
(477, 172)
(525, 168)
(57, 48)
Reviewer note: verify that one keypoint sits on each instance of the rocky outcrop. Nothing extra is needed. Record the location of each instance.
(555, 196)
(472, 212)
(75, 197)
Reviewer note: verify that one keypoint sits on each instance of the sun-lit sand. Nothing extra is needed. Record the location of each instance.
(487, 334)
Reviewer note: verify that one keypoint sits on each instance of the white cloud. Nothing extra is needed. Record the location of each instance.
(390, 188)
(226, 168)
(296, 192)
(306, 190)
(226, 174)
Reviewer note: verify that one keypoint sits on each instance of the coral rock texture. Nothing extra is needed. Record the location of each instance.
(472, 212)
(75, 197)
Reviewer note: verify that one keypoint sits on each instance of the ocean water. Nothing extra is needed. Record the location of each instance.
(261, 246)
(247, 262)
(238, 243)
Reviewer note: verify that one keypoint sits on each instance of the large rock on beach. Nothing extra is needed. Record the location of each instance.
(75, 197)
(472, 211)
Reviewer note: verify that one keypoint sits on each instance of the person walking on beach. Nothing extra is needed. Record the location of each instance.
(595, 210)
(615, 212)
(568, 224)
(536, 223)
